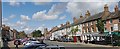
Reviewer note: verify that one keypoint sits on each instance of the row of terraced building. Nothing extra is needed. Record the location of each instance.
(87, 25)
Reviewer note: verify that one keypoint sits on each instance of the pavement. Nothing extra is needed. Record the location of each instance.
(12, 46)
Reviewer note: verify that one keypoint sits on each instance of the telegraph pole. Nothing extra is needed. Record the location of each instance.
(1, 43)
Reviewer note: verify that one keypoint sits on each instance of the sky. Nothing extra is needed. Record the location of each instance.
(24, 15)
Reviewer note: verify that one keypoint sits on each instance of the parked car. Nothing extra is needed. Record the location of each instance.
(101, 42)
(31, 43)
(34, 46)
(24, 40)
(65, 40)
(51, 47)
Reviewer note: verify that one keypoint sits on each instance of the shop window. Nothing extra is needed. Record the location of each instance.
(111, 28)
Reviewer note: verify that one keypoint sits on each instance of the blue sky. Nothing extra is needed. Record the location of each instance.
(29, 16)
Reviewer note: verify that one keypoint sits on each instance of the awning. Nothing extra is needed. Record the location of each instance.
(74, 35)
(94, 34)
(115, 33)
(90, 33)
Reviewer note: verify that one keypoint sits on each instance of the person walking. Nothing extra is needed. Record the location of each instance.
(16, 43)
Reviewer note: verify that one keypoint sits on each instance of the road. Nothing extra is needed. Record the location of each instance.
(69, 45)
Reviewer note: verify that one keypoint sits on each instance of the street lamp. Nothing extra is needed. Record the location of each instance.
(111, 37)
(1, 42)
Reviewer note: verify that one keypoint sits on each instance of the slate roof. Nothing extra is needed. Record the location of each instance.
(93, 17)
(97, 16)
(114, 15)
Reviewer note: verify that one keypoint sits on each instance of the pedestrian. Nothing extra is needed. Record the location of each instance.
(16, 43)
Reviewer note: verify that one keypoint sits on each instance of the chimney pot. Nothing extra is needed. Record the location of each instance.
(81, 16)
(75, 20)
(62, 25)
(87, 13)
(106, 8)
(116, 8)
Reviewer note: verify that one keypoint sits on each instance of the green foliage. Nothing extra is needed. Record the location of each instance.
(74, 30)
(21, 34)
(37, 33)
(100, 25)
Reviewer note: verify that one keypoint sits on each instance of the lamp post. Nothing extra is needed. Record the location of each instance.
(111, 37)
(1, 42)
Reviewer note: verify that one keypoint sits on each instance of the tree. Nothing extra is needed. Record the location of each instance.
(100, 25)
(74, 30)
(22, 34)
(37, 33)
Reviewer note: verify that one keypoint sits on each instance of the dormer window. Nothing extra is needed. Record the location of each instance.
(119, 20)
(91, 23)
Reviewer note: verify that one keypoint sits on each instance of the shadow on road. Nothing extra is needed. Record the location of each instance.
(5, 45)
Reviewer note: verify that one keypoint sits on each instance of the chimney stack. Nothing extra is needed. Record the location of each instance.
(67, 23)
(116, 8)
(106, 8)
(75, 20)
(81, 16)
(87, 13)
(62, 25)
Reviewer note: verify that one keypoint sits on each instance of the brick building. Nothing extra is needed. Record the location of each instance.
(87, 24)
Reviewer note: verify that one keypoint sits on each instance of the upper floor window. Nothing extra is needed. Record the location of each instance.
(111, 21)
(82, 24)
(95, 22)
(91, 23)
(86, 24)
(111, 28)
(104, 22)
(105, 28)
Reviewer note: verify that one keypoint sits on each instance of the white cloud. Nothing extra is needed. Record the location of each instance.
(28, 29)
(42, 16)
(24, 18)
(41, 1)
(14, 3)
(12, 16)
(19, 23)
(53, 12)
(5, 20)
(63, 0)
(78, 8)
(72, 7)
(57, 9)
(62, 17)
